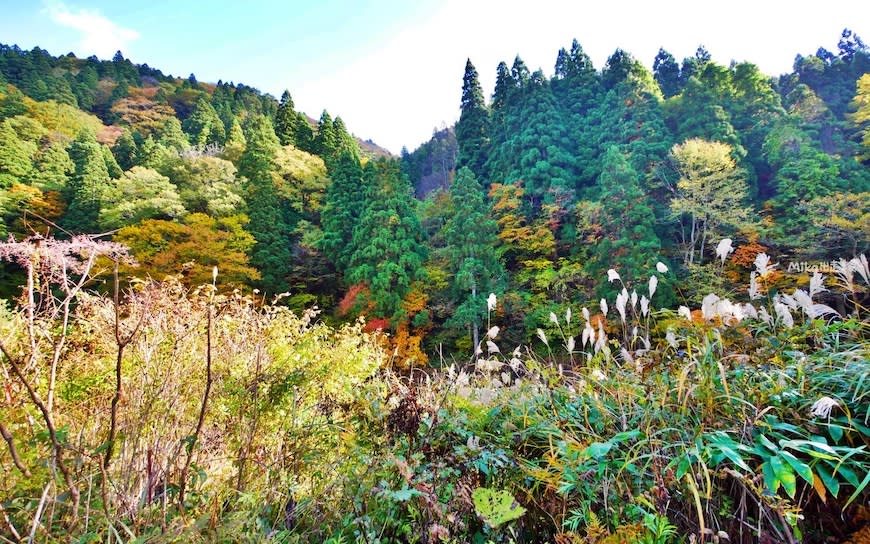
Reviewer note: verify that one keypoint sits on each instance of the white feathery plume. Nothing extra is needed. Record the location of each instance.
(762, 264)
(723, 249)
(823, 406)
(685, 312)
(817, 284)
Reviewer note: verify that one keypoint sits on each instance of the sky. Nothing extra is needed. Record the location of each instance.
(392, 69)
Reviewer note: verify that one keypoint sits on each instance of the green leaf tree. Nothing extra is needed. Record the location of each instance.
(710, 195)
(140, 193)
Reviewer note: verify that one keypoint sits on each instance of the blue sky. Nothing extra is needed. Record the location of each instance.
(392, 69)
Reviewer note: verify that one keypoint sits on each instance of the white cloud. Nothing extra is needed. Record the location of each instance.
(99, 35)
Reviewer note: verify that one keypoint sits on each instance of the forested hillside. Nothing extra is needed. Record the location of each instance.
(592, 169)
(618, 304)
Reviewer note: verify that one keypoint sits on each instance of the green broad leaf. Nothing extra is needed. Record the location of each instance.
(626, 435)
(734, 457)
(784, 474)
(799, 466)
(597, 450)
(770, 479)
(831, 483)
(404, 495)
(766, 442)
(683, 468)
(848, 474)
(496, 506)
(836, 431)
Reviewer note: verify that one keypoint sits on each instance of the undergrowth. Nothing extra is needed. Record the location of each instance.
(162, 414)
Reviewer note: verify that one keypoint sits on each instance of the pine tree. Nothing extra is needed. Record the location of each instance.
(472, 130)
(271, 254)
(471, 236)
(286, 120)
(87, 185)
(388, 250)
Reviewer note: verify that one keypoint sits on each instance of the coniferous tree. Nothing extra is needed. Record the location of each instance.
(388, 252)
(629, 243)
(324, 143)
(171, 135)
(235, 144)
(286, 120)
(471, 235)
(472, 130)
(204, 126)
(52, 167)
(667, 73)
(87, 185)
(345, 199)
(126, 151)
(271, 253)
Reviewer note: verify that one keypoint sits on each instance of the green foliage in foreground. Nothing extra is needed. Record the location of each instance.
(237, 422)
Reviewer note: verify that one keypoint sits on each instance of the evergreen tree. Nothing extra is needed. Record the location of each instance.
(471, 236)
(52, 167)
(271, 253)
(204, 126)
(325, 141)
(112, 166)
(87, 185)
(667, 73)
(235, 144)
(126, 151)
(345, 199)
(171, 135)
(286, 120)
(629, 243)
(472, 130)
(388, 250)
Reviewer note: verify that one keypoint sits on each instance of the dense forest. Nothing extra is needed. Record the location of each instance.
(227, 321)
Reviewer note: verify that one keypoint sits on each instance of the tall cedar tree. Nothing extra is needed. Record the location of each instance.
(472, 130)
(204, 126)
(667, 73)
(286, 120)
(388, 242)
(471, 236)
(630, 245)
(272, 251)
(345, 199)
(88, 184)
